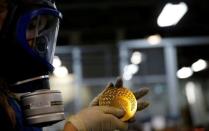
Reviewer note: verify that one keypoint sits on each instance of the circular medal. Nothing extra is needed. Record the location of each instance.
(122, 98)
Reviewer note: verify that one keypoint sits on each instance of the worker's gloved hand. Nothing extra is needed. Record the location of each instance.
(99, 118)
(141, 104)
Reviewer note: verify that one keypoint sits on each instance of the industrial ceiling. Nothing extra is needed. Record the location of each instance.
(96, 21)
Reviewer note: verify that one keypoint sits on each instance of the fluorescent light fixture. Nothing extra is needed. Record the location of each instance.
(154, 39)
(199, 65)
(136, 57)
(56, 61)
(184, 72)
(190, 92)
(171, 14)
(60, 71)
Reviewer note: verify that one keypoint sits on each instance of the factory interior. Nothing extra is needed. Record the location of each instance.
(162, 45)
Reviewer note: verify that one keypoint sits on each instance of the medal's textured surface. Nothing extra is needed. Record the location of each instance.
(121, 98)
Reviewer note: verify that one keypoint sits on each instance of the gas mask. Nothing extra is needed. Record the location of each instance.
(28, 40)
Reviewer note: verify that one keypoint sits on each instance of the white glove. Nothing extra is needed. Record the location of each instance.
(141, 104)
(99, 118)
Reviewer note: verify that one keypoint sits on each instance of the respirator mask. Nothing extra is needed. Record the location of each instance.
(29, 39)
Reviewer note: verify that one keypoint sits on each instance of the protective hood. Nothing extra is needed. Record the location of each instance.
(28, 40)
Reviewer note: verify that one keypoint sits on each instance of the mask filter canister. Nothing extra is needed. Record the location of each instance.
(43, 107)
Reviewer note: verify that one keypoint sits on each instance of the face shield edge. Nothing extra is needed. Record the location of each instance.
(21, 28)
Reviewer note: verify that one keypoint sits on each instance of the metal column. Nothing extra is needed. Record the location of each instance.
(172, 82)
(123, 57)
(77, 70)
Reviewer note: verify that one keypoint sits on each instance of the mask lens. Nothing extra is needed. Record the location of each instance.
(41, 35)
(37, 23)
(35, 27)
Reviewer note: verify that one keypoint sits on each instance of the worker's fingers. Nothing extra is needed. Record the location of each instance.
(142, 92)
(141, 105)
(95, 101)
(131, 120)
(112, 110)
(119, 125)
(119, 82)
(109, 86)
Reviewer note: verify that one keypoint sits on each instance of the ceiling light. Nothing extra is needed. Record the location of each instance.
(199, 65)
(154, 39)
(60, 71)
(131, 69)
(136, 58)
(184, 72)
(56, 61)
(190, 92)
(171, 14)
(127, 76)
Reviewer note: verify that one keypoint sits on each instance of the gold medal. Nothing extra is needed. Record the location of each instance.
(121, 98)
